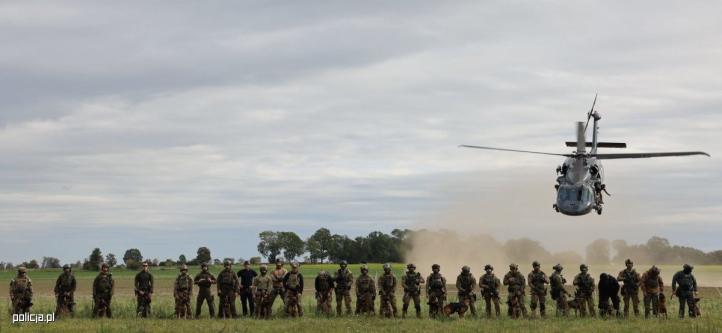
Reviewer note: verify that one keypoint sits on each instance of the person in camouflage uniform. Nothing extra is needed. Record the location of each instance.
(516, 285)
(684, 286)
(277, 276)
(343, 279)
(103, 287)
(630, 290)
(585, 291)
(435, 291)
(293, 283)
(365, 293)
(21, 292)
(204, 280)
(652, 286)
(489, 286)
(558, 292)
(324, 291)
(537, 280)
(465, 285)
(65, 292)
(143, 291)
(261, 287)
(387, 292)
(411, 282)
(228, 287)
(182, 291)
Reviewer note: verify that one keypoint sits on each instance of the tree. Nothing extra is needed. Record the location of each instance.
(292, 245)
(132, 258)
(110, 260)
(182, 259)
(269, 246)
(319, 245)
(95, 260)
(598, 252)
(50, 262)
(203, 255)
(232, 260)
(255, 260)
(155, 262)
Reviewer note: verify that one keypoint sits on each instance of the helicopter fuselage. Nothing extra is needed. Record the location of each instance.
(579, 186)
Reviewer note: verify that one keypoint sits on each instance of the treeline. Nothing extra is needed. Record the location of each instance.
(322, 246)
(401, 245)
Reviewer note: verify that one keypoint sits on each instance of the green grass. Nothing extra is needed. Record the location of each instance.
(162, 316)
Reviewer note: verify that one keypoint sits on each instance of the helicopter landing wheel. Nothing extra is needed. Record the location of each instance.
(599, 210)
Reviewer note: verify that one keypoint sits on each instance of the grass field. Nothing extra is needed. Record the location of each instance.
(162, 317)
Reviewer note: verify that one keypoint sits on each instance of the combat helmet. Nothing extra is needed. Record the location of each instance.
(558, 267)
(488, 267)
(535, 264)
(22, 269)
(104, 265)
(294, 264)
(227, 263)
(387, 267)
(513, 267)
(687, 268)
(364, 268)
(466, 269)
(343, 263)
(263, 268)
(66, 266)
(583, 267)
(435, 266)
(628, 262)
(410, 266)
(183, 268)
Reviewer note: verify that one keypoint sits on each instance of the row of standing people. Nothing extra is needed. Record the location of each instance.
(259, 291)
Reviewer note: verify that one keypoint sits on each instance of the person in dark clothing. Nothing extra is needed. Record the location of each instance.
(246, 276)
(608, 291)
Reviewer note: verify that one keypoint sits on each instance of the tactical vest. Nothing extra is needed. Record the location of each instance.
(652, 282)
(66, 281)
(183, 282)
(263, 282)
(685, 282)
(465, 281)
(364, 283)
(293, 281)
(104, 284)
(278, 274)
(342, 278)
(630, 281)
(537, 280)
(323, 284)
(21, 284)
(557, 281)
(436, 281)
(411, 282)
(489, 280)
(387, 281)
(206, 277)
(226, 279)
(585, 282)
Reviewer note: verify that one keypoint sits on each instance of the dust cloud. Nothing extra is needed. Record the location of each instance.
(487, 210)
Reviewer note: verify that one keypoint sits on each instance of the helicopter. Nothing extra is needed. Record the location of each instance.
(580, 179)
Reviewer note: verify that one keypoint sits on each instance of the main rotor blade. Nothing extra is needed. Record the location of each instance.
(647, 155)
(515, 150)
(589, 115)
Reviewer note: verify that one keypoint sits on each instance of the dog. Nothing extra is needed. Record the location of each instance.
(455, 307)
(573, 304)
(662, 306)
(697, 311)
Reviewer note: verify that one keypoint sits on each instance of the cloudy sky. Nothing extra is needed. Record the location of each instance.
(168, 126)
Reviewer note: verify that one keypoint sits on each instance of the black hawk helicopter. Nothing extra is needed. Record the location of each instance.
(580, 180)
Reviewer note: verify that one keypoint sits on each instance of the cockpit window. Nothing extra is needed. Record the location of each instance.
(574, 193)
